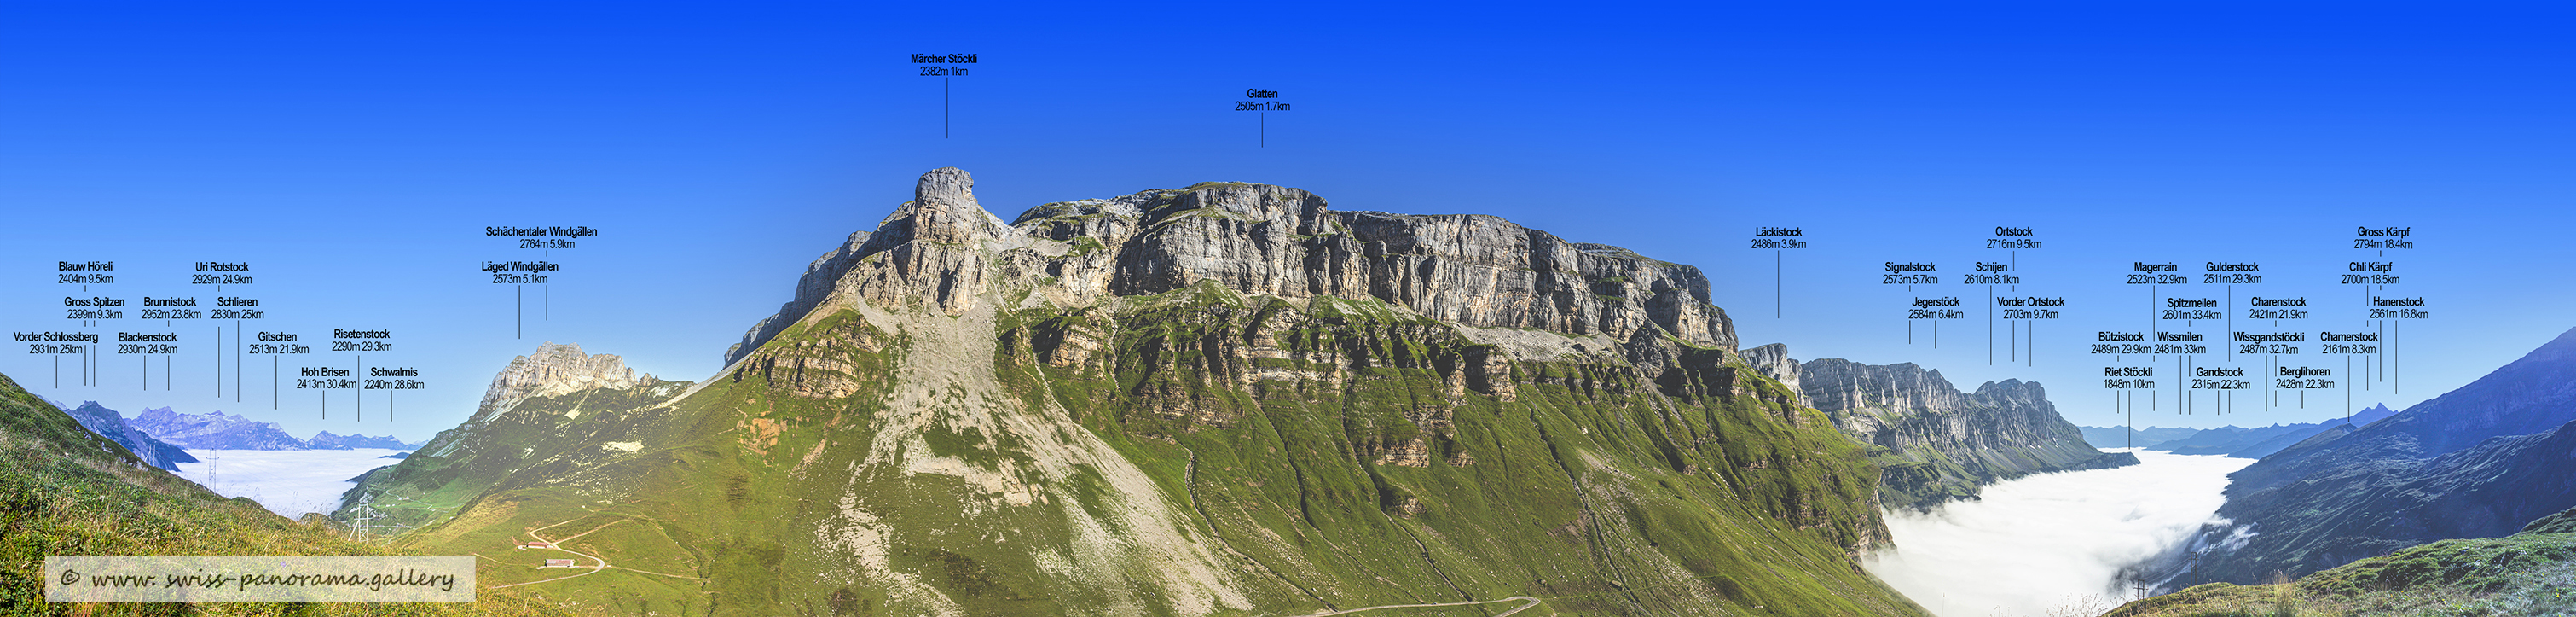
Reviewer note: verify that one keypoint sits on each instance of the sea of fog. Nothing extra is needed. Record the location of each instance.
(2052, 544)
(289, 482)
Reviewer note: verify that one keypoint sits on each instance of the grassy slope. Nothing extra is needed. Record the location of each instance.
(2529, 573)
(1514, 520)
(1587, 487)
(424, 485)
(66, 491)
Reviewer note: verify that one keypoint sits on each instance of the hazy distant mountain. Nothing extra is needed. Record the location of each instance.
(215, 431)
(112, 425)
(2121, 436)
(2533, 394)
(327, 441)
(2283, 441)
(2445, 468)
(2262, 441)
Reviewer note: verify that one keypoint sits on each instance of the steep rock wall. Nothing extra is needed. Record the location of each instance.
(1938, 444)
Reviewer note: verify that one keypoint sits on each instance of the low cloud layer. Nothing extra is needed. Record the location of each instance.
(2052, 544)
(288, 482)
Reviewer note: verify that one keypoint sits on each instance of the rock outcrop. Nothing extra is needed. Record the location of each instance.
(1938, 444)
(554, 370)
(1773, 361)
(550, 409)
(1472, 270)
(821, 278)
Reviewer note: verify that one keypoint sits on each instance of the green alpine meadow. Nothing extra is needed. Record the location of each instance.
(1225, 399)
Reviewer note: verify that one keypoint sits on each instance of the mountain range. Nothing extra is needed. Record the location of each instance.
(66, 489)
(2233, 441)
(112, 425)
(1222, 399)
(220, 431)
(2262, 441)
(215, 431)
(326, 441)
(2124, 437)
(2475, 462)
(1935, 444)
(452, 469)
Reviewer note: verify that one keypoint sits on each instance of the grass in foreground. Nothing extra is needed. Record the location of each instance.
(2523, 574)
(65, 491)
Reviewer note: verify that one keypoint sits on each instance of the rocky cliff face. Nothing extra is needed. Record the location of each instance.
(1773, 361)
(821, 278)
(113, 426)
(1223, 399)
(1939, 444)
(1470, 270)
(554, 370)
(543, 413)
(215, 431)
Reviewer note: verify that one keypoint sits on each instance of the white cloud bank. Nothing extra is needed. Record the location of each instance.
(288, 482)
(2051, 544)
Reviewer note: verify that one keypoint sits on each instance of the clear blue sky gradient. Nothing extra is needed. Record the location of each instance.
(353, 155)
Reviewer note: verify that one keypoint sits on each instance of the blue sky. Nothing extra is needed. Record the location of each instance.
(354, 155)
